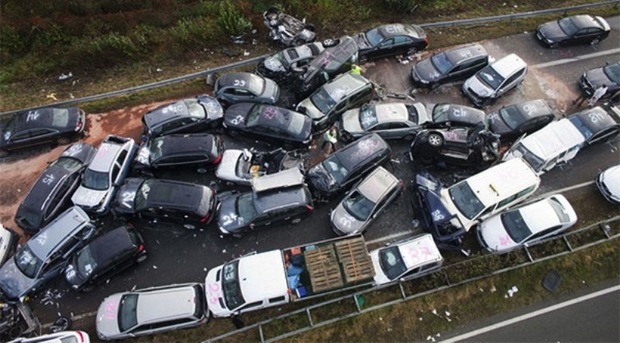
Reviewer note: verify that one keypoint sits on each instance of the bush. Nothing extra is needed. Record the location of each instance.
(194, 32)
(402, 5)
(103, 51)
(231, 21)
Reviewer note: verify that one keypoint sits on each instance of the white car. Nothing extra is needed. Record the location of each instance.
(241, 166)
(76, 336)
(7, 239)
(408, 259)
(608, 182)
(526, 224)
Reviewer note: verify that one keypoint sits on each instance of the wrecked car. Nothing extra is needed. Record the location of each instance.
(288, 62)
(286, 29)
(240, 166)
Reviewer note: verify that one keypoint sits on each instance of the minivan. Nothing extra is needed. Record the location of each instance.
(495, 80)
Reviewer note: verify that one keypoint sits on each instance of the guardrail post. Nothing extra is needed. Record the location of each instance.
(529, 256)
(567, 243)
(260, 333)
(402, 290)
(310, 316)
(606, 228)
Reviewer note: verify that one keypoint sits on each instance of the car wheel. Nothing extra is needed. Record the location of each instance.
(595, 41)
(411, 51)
(435, 139)
(329, 42)
(426, 159)
(310, 27)
(63, 141)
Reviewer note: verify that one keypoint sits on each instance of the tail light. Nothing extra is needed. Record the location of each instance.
(218, 159)
(205, 218)
(426, 40)
(81, 336)
(141, 248)
(309, 208)
(401, 184)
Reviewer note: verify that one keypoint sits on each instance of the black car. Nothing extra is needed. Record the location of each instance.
(449, 115)
(276, 125)
(526, 117)
(104, 257)
(609, 76)
(289, 62)
(184, 116)
(577, 29)
(347, 165)
(185, 203)
(274, 198)
(43, 126)
(390, 40)
(451, 65)
(52, 191)
(597, 124)
(180, 150)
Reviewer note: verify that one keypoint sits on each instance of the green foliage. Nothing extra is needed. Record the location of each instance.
(11, 42)
(231, 20)
(104, 51)
(402, 5)
(192, 33)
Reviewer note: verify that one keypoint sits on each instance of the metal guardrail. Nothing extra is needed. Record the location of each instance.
(257, 59)
(444, 274)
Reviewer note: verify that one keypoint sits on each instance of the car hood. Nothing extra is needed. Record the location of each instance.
(497, 125)
(272, 63)
(13, 283)
(236, 113)
(307, 107)
(271, 91)
(611, 178)
(380, 277)
(227, 168)
(597, 78)
(361, 41)
(227, 216)
(481, 89)
(344, 222)
(551, 30)
(350, 121)
(88, 198)
(494, 236)
(213, 290)
(107, 317)
(425, 70)
(125, 199)
(321, 179)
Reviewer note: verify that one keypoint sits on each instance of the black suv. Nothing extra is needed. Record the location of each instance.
(190, 204)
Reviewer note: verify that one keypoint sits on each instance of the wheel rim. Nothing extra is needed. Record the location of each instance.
(434, 140)
(594, 41)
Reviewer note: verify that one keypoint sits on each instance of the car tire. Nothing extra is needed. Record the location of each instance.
(411, 51)
(426, 160)
(329, 42)
(435, 139)
(595, 41)
(63, 141)
(310, 27)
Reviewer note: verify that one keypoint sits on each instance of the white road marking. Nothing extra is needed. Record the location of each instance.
(577, 58)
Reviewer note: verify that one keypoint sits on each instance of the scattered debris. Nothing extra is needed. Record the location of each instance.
(223, 251)
(64, 76)
(154, 267)
(511, 292)
(52, 96)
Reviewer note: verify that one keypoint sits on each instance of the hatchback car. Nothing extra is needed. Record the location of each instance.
(184, 116)
(151, 310)
(232, 88)
(288, 63)
(178, 150)
(104, 257)
(105, 174)
(275, 125)
(609, 76)
(527, 224)
(390, 40)
(332, 99)
(51, 193)
(45, 255)
(345, 166)
(452, 115)
(189, 204)
(577, 29)
(525, 117)
(43, 126)
(608, 183)
(407, 259)
(494, 80)
(391, 120)
(365, 202)
(450, 65)
(241, 166)
(275, 198)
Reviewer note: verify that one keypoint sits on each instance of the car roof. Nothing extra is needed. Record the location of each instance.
(303, 51)
(377, 183)
(344, 85)
(356, 153)
(250, 81)
(595, 119)
(508, 65)
(532, 108)
(185, 143)
(176, 194)
(105, 156)
(278, 198)
(553, 139)
(285, 178)
(44, 188)
(165, 112)
(109, 245)
(465, 52)
(156, 305)
(541, 215)
(332, 58)
(419, 251)
(42, 118)
(272, 280)
(397, 29)
(391, 111)
(46, 240)
(585, 20)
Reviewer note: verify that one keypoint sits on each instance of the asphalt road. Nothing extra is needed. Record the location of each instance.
(177, 255)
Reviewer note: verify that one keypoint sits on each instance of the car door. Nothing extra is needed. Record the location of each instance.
(42, 136)
(510, 82)
(585, 35)
(604, 135)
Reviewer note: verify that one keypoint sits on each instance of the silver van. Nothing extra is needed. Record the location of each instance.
(495, 80)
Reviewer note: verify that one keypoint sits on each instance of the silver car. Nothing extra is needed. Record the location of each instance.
(241, 166)
(105, 174)
(365, 202)
(495, 80)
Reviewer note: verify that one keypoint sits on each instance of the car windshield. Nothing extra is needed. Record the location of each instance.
(368, 117)
(95, 180)
(510, 116)
(60, 117)
(465, 200)
(156, 148)
(245, 208)
(323, 101)
(441, 113)
(442, 63)
(86, 264)
(490, 77)
(194, 109)
(515, 226)
(613, 72)
(392, 262)
(335, 168)
(568, 26)
(231, 286)
(142, 194)
(533, 160)
(27, 262)
(127, 313)
(358, 206)
(374, 37)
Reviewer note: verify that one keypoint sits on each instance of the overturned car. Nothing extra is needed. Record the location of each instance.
(286, 29)
(241, 166)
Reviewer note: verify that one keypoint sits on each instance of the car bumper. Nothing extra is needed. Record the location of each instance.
(600, 184)
(473, 96)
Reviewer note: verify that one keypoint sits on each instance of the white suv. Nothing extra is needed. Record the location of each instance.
(495, 79)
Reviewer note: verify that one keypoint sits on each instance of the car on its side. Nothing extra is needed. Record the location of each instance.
(8, 238)
(526, 224)
(332, 99)
(390, 120)
(576, 29)
(405, 260)
(276, 125)
(450, 65)
(453, 115)
(235, 87)
(289, 62)
(495, 80)
(608, 183)
(241, 166)
(390, 40)
(104, 257)
(151, 311)
(514, 120)
(183, 116)
(52, 191)
(365, 202)
(609, 76)
(178, 150)
(343, 168)
(42, 126)
(105, 174)
(46, 254)
(188, 204)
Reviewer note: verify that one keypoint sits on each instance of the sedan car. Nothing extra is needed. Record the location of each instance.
(608, 183)
(451, 65)
(43, 126)
(241, 166)
(184, 116)
(391, 120)
(151, 310)
(104, 257)
(289, 62)
(178, 150)
(191, 205)
(345, 166)
(453, 115)
(105, 174)
(365, 202)
(609, 76)
(527, 224)
(276, 125)
(51, 193)
(390, 40)
(235, 87)
(525, 117)
(577, 29)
